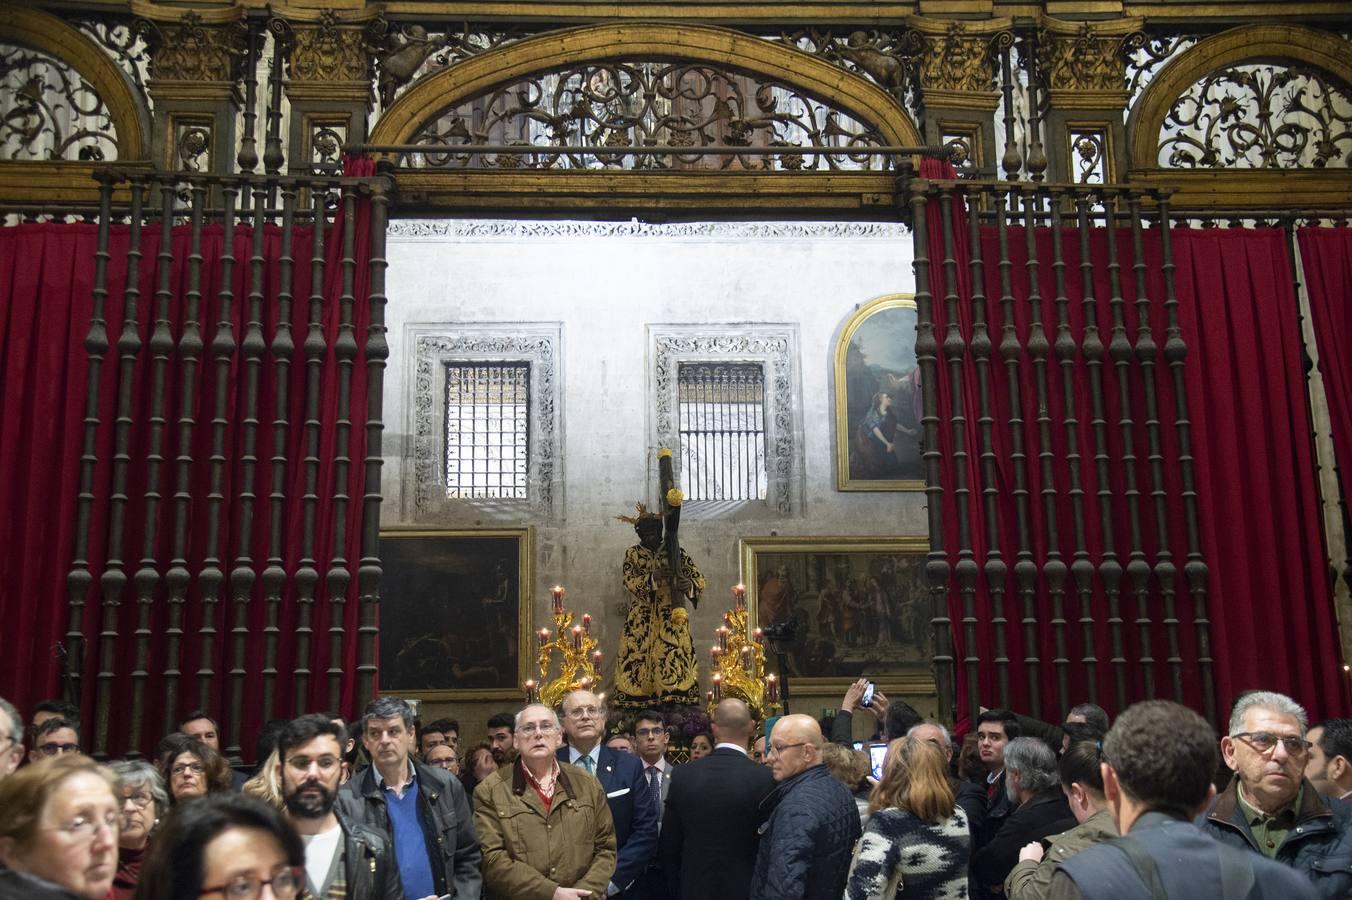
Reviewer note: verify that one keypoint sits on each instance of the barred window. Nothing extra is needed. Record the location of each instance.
(721, 411)
(487, 444)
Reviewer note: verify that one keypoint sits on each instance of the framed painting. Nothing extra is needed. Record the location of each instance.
(857, 606)
(878, 399)
(455, 613)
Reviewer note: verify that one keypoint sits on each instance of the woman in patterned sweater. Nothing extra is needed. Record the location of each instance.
(917, 842)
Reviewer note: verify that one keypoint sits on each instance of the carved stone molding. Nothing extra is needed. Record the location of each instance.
(434, 345)
(775, 347)
(513, 229)
(190, 51)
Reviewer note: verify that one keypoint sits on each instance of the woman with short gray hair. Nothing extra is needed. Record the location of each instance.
(144, 801)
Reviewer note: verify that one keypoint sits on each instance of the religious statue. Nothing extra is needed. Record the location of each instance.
(656, 660)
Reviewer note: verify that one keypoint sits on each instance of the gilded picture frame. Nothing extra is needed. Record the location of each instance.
(877, 396)
(860, 603)
(456, 613)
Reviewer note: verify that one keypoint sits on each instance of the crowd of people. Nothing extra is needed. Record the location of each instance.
(556, 805)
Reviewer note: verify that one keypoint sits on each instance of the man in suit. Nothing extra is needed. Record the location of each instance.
(710, 825)
(632, 805)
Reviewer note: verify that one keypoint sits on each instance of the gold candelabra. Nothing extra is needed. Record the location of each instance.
(579, 660)
(738, 662)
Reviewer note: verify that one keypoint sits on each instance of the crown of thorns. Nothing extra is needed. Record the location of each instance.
(643, 514)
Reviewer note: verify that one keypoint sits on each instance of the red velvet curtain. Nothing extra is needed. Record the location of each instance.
(1326, 256)
(1250, 438)
(46, 279)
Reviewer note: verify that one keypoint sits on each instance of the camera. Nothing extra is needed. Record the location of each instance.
(781, 631)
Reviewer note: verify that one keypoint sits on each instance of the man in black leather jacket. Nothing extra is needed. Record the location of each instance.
(342, 858)
(423, 810)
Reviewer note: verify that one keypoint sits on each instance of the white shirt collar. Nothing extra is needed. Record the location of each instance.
(738, 747)
(575, 754)
(662, 765)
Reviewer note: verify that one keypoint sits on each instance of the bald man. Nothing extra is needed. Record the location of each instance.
(710, 829)
(805, 845)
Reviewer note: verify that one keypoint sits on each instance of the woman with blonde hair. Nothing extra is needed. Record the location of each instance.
(917, 839)
(266, 785)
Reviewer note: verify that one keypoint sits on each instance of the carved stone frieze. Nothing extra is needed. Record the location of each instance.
(190, 51)
(775, 347)
(513, 229)
(327, 52)
(433, 347)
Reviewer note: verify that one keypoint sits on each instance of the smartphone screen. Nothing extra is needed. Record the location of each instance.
(867, 699)
(876, 752)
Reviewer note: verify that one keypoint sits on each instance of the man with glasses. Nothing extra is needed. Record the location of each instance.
(1269, 806)
(545, 828)
(806, 843)
(11, 738)
(54, 737)
(443, 756)
(709, 830)
(632, 805)
(343, 860)
(1159, 758)
(423, 810)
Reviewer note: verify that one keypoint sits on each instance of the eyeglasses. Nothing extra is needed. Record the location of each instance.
(650, 732)
(1265, 741)
(447, 763)
(55, 749)
(196, 768)
(83, 828)
(583, 712)
(778, 749)
(542, 728)
(140, 801)
(285, 884)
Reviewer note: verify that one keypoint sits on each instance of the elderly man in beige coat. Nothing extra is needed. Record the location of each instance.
(544, 828)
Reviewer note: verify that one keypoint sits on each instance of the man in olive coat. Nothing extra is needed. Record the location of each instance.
(544, 827)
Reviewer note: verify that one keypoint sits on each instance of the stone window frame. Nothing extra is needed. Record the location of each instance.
(433, 345)
(775, 346)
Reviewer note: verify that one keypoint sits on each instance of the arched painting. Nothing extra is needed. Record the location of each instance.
(878, 399)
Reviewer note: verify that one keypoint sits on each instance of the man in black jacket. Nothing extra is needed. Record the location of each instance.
(805, 846)
(709, 831)
(1033, 782)
(342, 858)
(423, 810)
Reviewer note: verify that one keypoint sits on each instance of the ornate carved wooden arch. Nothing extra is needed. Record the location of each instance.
(65, 180)
(1238, 187)
(822, 193)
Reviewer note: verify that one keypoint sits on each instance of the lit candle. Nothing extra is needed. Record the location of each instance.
(586, 622)
(714, 654)
(577, 638)
(543, 635)
(530, 690)
(727, 618)
(758, 635)
(718, 686)
(709, 695)
(723, 639)
(596, 659)
(557, 591)
(772, 689)
(746, 655)
(585, 682)
(739, 596)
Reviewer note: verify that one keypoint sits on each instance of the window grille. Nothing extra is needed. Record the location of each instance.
(487, 440)
(721, 411)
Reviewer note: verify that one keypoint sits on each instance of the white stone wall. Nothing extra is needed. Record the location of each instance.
(605, 284)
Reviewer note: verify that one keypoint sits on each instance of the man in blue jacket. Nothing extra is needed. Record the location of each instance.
(632, 806)
(806, 844)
